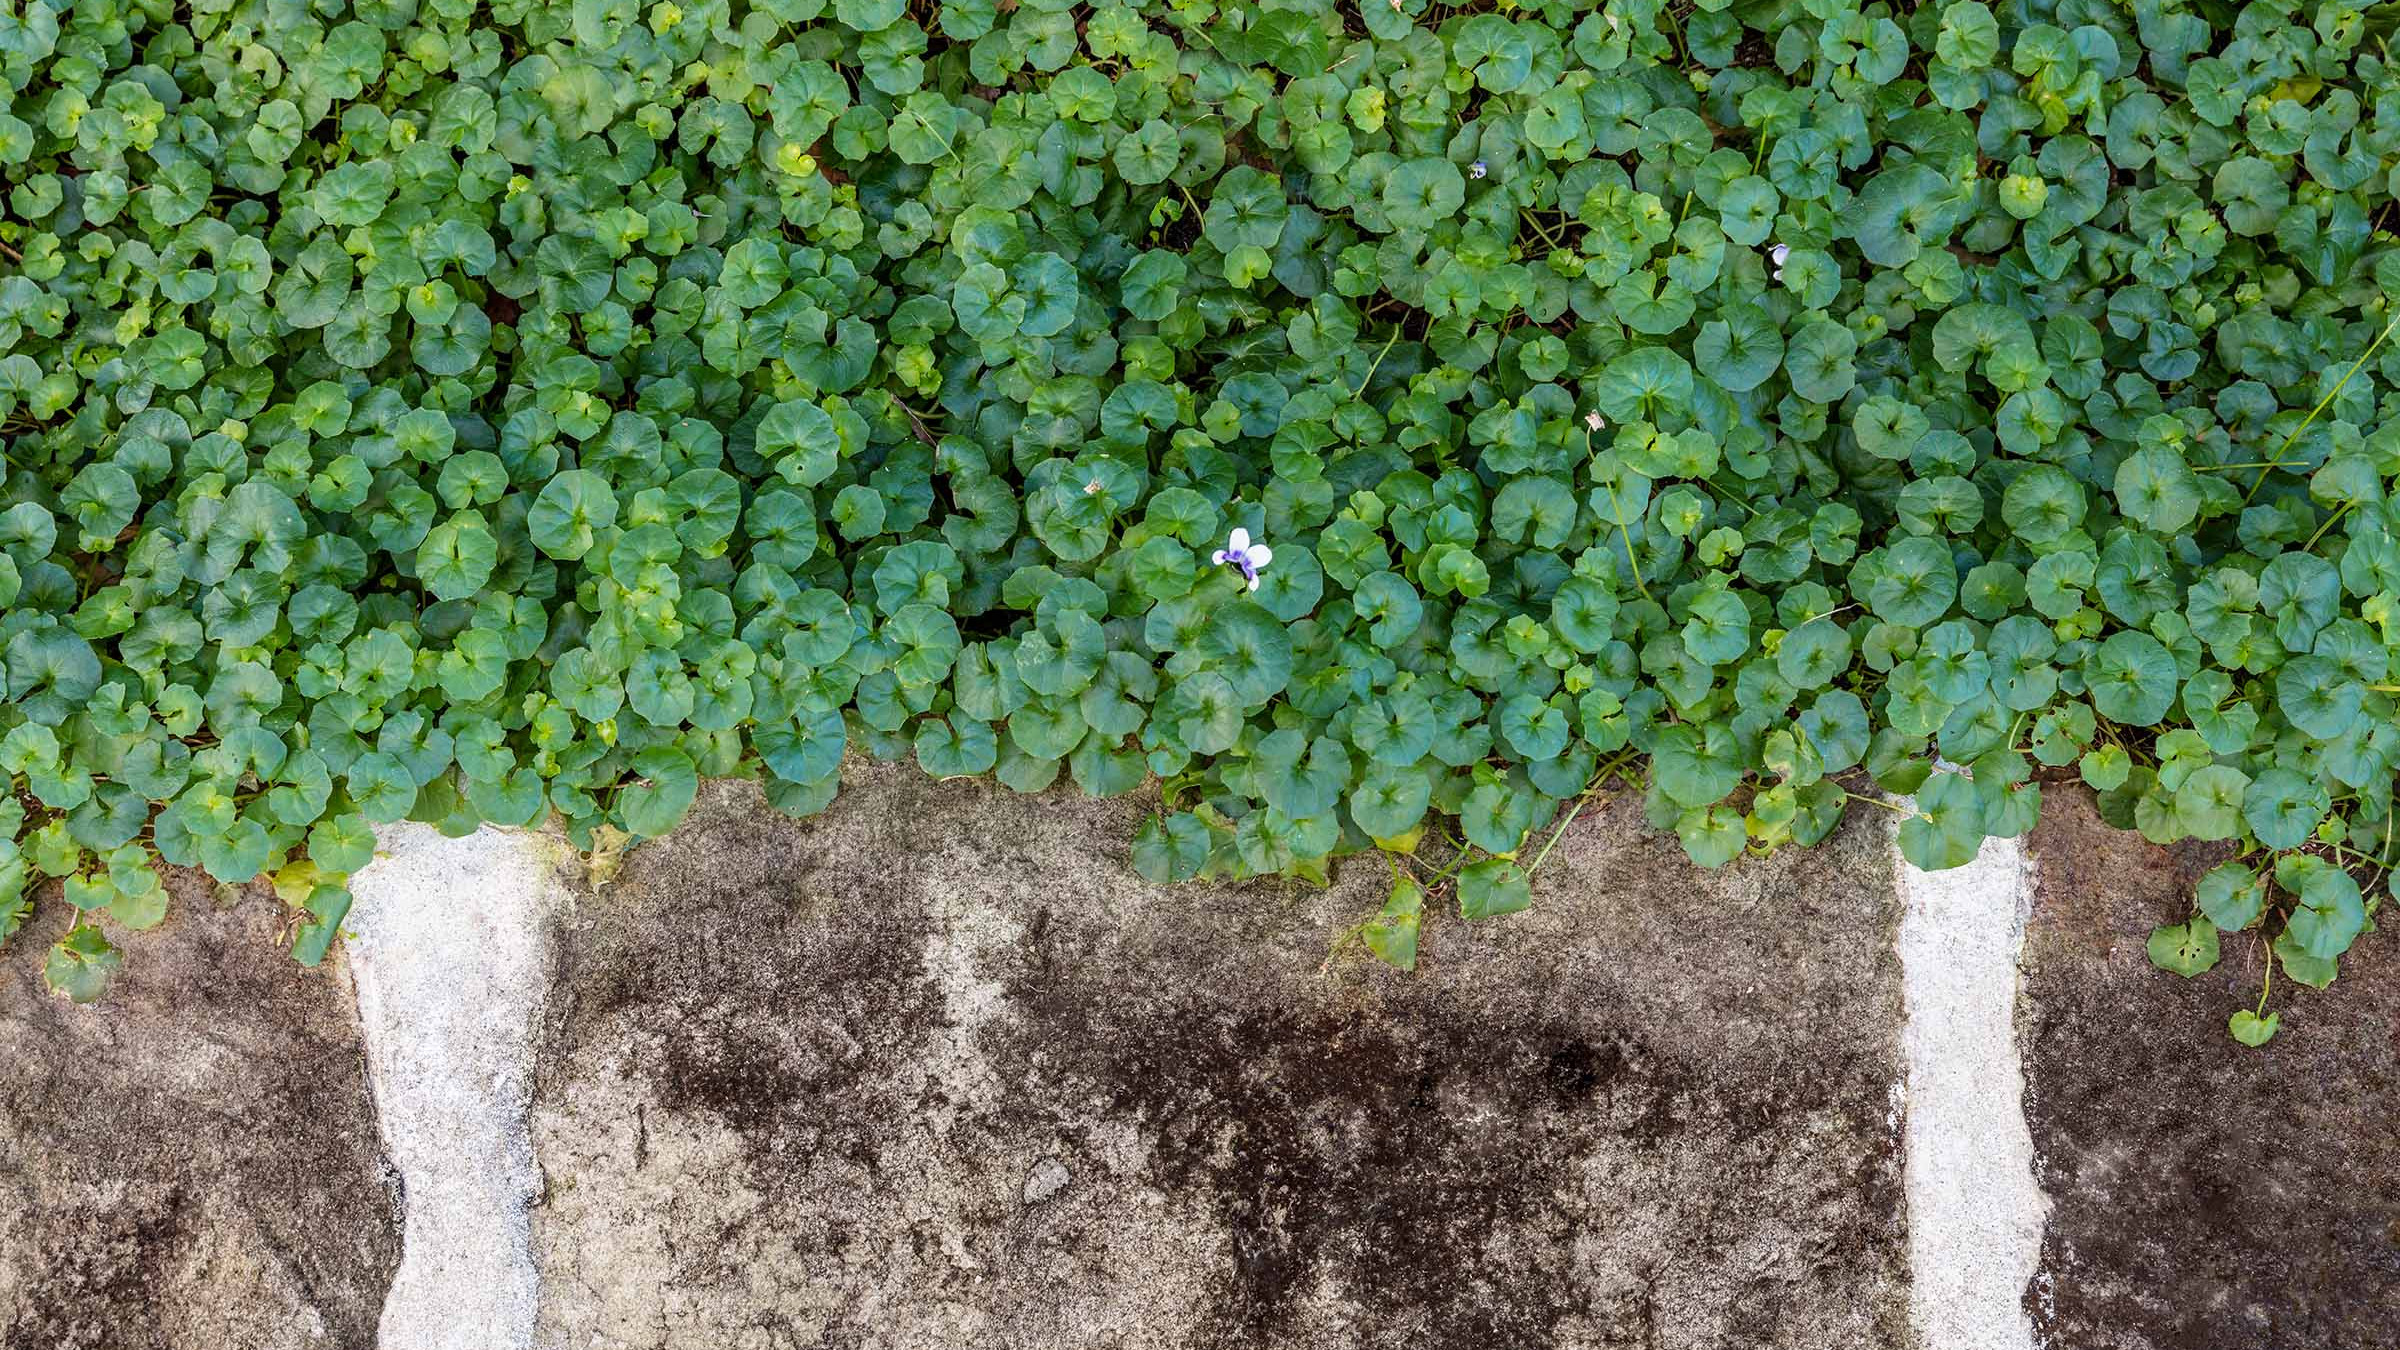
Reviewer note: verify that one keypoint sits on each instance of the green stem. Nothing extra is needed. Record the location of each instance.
(1888, 806)
(2368, 858)
(1572, 812)
(2330, 396)
(1630, 556)
(1731, 496)
(1378, 365)
(1600, 777)
(2321, 529)
(1458, 863)
(1615, 763)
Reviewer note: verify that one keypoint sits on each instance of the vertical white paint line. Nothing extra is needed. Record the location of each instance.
(446, 948)
(1975, 1213)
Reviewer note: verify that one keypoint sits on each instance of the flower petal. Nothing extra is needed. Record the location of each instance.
(1220, 557)
(1254, 583)
(1238, 540)
(1261, 555)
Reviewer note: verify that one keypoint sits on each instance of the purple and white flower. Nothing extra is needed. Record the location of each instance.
(1243, 555)
(1778, 254)
(1594, 420)
(1477, 169)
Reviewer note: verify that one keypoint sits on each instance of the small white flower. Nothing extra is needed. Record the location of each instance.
(1092, 488)
(1243, 555)
(1612, 23)
(1476, 169)
(1778, 254)
(1594, 420)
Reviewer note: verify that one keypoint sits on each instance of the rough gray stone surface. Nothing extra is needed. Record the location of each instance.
(2204, 1196)
(193, 1161)
(937, 1069)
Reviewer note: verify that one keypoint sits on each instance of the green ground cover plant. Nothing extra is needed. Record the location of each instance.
(1368, 423)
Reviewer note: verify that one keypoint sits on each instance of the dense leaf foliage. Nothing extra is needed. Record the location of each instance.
(472, 413)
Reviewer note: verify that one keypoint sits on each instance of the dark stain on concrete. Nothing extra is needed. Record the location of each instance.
(1372, 1154)
(1563, 1133)
(2205, 1196)
(194, 1160)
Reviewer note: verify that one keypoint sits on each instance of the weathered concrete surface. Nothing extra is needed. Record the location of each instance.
(937, 1069)
(2204, 1196)
(192, 1162)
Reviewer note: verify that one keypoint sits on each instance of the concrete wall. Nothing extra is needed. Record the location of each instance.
(937, 1069)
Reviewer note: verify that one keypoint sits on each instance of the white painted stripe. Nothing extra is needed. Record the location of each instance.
(1975, 1213)
(446, 947)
